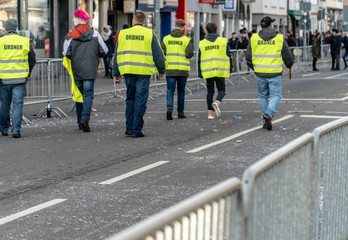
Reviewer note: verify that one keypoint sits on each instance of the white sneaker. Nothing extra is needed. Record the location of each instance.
(211, 114)
(217, 111)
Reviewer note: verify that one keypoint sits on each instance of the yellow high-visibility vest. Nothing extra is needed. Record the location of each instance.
(214, 60)
(267, 55)
(176, 48)
(14, 50)
(77, 96)
(134, 51)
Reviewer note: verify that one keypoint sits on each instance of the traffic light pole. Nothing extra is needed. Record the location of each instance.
(157, 18)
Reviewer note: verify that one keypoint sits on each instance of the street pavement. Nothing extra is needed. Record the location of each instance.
(54, 180)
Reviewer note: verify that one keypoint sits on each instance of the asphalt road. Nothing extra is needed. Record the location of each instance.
(52, 180)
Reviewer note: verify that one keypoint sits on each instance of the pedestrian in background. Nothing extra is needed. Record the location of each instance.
(345, 54)
(316, 49)
(109, 42)
(266, 53)
(17, 60)
(214, 64)
(138, 55)
(242, 45)
(233, 44)
(336, 43)
(178, 50)
(84, 46)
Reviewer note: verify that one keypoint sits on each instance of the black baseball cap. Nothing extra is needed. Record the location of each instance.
(266, 21)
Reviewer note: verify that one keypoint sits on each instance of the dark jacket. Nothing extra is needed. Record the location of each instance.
(243, 43)
(31, 60)
(268, 34)
(212, 37)
(110, 44)
(177, 33)
(291, 41)
(336, 43)
(316, 42)
(84, 46)
(158, 58)
(233, 44)
(345, 43)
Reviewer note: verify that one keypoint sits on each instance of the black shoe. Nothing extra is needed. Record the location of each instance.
(268, 122)
(345, 67)
(181, 116)
(80, 127)
(128, 133)
(170, 114)
(107, 75)
(336, 69)
(140, 135)
(16, 135)
(84, 125)
(4, 134)
(315, 70)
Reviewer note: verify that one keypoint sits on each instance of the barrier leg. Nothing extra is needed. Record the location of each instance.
(114, 96)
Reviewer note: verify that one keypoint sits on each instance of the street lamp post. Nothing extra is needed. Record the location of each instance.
(157, 22)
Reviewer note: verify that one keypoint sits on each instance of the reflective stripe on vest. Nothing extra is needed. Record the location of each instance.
(14, 50)
(266, 55)
(214, 60)
(176, 48)
(134, 51)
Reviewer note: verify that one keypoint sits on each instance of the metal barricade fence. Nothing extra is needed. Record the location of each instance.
(276, 193)
(298, 192)
(212, 214)
(331, 148)
(37, 85)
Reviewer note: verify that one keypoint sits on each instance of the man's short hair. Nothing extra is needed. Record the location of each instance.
(211, 28)
(335, 30)
(234, 33)
(180, 23)
(139, 17)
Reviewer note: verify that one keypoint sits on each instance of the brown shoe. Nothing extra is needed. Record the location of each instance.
(211, 114)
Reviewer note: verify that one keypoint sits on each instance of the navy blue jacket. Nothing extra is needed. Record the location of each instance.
(336, 44)
(110, 44)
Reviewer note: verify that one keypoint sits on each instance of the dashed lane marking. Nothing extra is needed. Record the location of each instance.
(235, 136)
(30, 211)
(311, 74)
(336, 112)
(338, 75)
(300, 111)
(132, 173)
(321, 116)
(283, 99)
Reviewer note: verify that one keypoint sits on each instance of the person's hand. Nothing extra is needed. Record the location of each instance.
(117, 79)
(161, 75)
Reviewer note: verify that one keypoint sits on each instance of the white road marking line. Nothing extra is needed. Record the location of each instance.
(321, 116)
(338, 75)
(157, 112)
(30, 211)
(311, 74)
(297, 111)
(234, 136)
(283, 99)
(132, 173)
(336, 112)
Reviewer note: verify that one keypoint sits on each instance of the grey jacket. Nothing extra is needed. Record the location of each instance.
(177, 33)
(212, 37)
(268, 34)
(31, 61)
(84, 46)
(158, 58)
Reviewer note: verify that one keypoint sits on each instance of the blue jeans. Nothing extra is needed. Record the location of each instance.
(171, 82)
(107, 64)
(83, 110)
(12, 93)
(269, 87)
(137, 95)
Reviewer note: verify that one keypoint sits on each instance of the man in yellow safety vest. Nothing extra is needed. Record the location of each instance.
(178, 50)
(138, 55)
(17, 59)
(214, 64)
(265, 54)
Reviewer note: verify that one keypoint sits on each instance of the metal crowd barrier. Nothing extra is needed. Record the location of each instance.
(331, 148)
(212, 214)
(298, 192)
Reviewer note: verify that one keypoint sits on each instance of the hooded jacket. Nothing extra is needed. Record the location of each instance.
(84, 46)
(177, 33)
(268, 34)
(336, 44)
(212, 37)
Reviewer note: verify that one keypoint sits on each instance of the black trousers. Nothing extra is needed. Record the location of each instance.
(220, 85)
(315, 63)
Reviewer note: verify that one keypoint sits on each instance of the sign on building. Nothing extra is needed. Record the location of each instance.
(229, 5)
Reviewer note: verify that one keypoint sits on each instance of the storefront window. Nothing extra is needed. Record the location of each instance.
(8, 9)
(38, 22)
